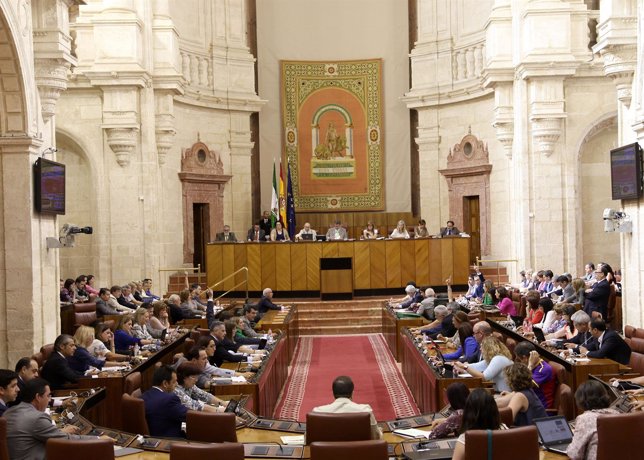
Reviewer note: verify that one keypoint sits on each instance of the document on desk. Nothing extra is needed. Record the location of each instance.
(293, 440)
(238, 379)
(465, 375)
(412, 433)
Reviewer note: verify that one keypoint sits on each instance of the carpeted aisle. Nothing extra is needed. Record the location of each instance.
(365, 358)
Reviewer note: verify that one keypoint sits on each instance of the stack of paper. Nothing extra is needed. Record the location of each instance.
(412, 433)
(293, 440)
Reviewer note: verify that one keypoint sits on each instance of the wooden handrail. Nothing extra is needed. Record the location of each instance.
(244, 269)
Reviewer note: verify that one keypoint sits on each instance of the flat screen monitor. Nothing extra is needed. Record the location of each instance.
(49, 186)
(626, 172)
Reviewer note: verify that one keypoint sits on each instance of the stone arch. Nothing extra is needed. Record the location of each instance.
(81, 204)
(593, 193)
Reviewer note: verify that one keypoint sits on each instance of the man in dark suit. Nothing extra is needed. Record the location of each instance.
(8, 388)
(607, 344)
(256, 234)
(265, 222)
(596, 298)
(27, 369)
(163, 409)
(226, 235)
(266, 303)
(450, 230)
(217, 333)
(56, 370)
(584, 338)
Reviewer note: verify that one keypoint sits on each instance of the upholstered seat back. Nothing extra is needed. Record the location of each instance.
(211, 427)
(133, 415)
(338, 427)
(620, 436)
(71, 449)
(185, 451)
(353, 450)
(511, 444)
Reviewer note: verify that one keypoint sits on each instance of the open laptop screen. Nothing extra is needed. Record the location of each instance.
(553, 430)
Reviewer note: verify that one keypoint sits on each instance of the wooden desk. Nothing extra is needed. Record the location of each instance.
(377, 264)
(284, 321)
(392, 327)
(114, 384)
(426, 384)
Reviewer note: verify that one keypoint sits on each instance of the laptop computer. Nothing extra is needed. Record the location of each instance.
(538, 333)
(306, 236)
(554, 432)
(619, 401)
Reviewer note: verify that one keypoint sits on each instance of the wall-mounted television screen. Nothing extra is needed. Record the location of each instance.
(49, 186)
(626, 172)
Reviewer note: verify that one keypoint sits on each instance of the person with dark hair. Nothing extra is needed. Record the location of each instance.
(163, 409)
(421, 229)
(542, 372)
(596, 298)
(480, 413)
(343, 392)
(89, 285)
(102, 307)
(247, 320)
(607, 344)
(67, 292)
(56, 369)
(546, 306)
(79, 287)
(27, 369)
(450, 229)
(8, 388)
(505, 304)
(147, 291)
(218, 334)
(547, 286)
(533, 314)
(103, 344)
(29, 426)
(589, 269)
(191, 396)
(469, 346)
(523, 401)
(457, 394)
(591, 397)
(124, 339)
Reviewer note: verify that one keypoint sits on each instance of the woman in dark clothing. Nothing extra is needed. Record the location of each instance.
(524, 402)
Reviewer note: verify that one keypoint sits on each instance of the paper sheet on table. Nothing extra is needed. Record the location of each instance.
(293, 440)
(465, 375)
(238, 379)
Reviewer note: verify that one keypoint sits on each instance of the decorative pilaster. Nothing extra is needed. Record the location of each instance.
(51, 80)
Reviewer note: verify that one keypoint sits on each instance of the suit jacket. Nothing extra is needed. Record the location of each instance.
(345, 405)
(265, 304)
(28, 430)
(612, 347)
(597, 299)
(251, 235)
(103, 308)
(450, 232)
(164, 413)
(584, 339)
(342, 233)
(222, 355)
(265, 224)
(58, 373)
(221, 237)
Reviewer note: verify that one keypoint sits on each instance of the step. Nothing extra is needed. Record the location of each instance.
(340, 330)
(328, 313)
(339, 321)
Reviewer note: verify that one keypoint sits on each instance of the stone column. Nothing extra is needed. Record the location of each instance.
(240, 210)
(428, 141)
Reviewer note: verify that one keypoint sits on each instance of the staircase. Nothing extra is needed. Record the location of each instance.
(177, 282)
(490, 273)
(339, 317)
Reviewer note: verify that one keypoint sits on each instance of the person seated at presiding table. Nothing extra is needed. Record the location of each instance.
(56, 369)
(279, 233)
(496, 357)
(450, 229)
(265, 223)
(8, 389)
(523, 401)
(469, 347)
(607, 344)
(163, 409)
(370, 232)
(306, 234)
(191, 396)
(400, 232)
(480, 413)
(226, 235)
(337, 232)
(421, 229)
(457, 394)
(27, 369)
(29, 426)
(124, 339)
(542, 373)
(256, 234)
(343, 393)
(592, 399)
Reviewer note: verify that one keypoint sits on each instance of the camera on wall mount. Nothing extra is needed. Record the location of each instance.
(67, 236)
(617, 221)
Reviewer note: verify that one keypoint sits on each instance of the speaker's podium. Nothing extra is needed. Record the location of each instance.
(336, 278)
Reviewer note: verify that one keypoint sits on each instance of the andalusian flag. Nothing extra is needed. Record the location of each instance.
(274, 202)
(282, 198)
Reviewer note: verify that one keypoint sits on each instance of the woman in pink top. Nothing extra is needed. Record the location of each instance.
(505, 304)
(89, 286)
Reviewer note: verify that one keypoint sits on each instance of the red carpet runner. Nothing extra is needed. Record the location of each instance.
(364, 358)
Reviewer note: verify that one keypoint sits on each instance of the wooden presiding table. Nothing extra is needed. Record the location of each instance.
(377, 264)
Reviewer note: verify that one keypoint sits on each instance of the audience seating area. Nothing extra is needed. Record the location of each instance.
(635, 339)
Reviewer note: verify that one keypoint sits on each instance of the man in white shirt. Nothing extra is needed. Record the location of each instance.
(343, 392)
(306, 234)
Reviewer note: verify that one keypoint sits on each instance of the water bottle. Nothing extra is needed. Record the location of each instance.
(136, 349)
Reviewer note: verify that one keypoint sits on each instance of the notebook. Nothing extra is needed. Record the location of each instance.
(554, 432)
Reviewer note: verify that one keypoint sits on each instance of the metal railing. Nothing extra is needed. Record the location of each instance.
(242, 269)
(181, 270)
(479, 262)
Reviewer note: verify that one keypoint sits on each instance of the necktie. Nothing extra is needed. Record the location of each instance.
(257, 236)
(226, 237)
